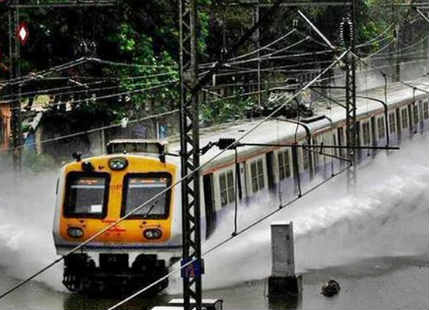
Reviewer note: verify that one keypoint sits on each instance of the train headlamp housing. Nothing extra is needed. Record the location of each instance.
(87, 166)
(75, 232)
(118, 163)
(152, 233)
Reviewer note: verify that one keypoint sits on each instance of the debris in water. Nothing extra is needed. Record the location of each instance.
(330, 288)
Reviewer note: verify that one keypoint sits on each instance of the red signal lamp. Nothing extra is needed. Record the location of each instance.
(22, 32)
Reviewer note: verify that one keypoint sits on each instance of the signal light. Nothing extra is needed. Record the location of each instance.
(22, 33)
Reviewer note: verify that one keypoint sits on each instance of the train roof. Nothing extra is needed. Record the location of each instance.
(280, 130)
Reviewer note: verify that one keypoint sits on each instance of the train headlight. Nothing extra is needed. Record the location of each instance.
(75, 232)
(152, 234)
(118, 163)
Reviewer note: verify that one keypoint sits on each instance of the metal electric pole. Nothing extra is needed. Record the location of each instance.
(190, 154)
(14, 73)
(16, 38)
(351, 124)
(258, 47)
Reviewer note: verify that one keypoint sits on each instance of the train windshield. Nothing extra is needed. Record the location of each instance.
(139, 188)
(86, 195)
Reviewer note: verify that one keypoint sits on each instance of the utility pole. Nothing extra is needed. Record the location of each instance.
(258, 46)
(14, 59)
(351, 124)
(15, 72)
(190, 154)
(397, 60)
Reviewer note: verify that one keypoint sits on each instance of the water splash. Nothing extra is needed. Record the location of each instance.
(26, 216)
(388, 217)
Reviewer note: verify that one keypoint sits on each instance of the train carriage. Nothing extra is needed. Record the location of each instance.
(94, 192)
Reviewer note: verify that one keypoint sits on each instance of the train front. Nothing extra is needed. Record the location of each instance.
(94, 193)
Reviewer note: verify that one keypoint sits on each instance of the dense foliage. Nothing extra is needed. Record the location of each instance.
(145, 33)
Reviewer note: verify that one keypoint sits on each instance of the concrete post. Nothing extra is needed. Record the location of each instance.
(283, 280)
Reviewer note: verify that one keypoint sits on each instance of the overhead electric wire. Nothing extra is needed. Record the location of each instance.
(71, 64)
(89, 91)
(284, 49)
(230, 147)
(92, 130)
(312, 39)
(224, 242)
(120, 94)
(229, 239)
(123, 64)
(376, 38)
(296, 55)
(196, 169)
(265, 46)
(49, 91)
(35, 75)
(380, 50)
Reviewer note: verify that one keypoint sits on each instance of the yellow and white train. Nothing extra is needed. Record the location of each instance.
(95, 192)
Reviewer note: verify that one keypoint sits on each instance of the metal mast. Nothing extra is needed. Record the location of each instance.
(14, 59)
(190, 153)
(15, 72)
(351, 124)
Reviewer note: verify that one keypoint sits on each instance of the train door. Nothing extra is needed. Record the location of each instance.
(334, 151)
(373, 136)
(398, 125)
(359, 151)
(316, 156)
(244, 180)
(326, 159)
(209, 204)
(410, 121)
(238, 172)
(295, 169)
(341, 143)
(392, 127)
(421, 125)
(270, 171)
(425, 112)
(415, 117)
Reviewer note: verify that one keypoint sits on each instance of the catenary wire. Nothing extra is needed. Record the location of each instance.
(100, 232)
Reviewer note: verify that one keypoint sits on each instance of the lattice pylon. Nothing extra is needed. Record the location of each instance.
(189, 138)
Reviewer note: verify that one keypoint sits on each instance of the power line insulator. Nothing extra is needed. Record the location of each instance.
(346, 31)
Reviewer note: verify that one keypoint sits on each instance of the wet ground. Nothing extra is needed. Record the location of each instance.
(375, 245)
(385, 283)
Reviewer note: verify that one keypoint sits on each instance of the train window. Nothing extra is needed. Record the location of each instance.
(226, 184)
(365, 133)
(257, 175)
(415, 114)
(284, 166)
(381, 129)
(141, 187)
(404, 116)
(86, 194)
(426, 110)
(392, 123)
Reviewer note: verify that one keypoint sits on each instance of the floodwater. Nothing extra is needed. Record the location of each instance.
(375, 244)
